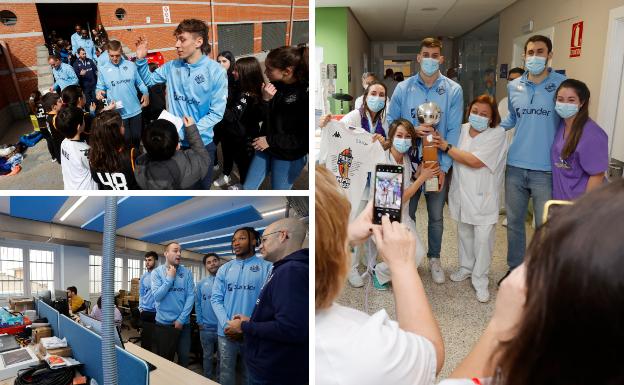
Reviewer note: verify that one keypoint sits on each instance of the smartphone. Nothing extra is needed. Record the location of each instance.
(388, 196)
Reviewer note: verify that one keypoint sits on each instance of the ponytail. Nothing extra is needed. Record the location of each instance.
(290, 56)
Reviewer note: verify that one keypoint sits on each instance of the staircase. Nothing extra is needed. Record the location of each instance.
(44, 72)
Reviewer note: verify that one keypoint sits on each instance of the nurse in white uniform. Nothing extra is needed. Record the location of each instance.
(478, 166)
(401, 137)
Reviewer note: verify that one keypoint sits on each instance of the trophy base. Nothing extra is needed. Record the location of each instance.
(432, 185)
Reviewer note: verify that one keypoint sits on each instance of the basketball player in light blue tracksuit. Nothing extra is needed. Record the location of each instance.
(196, 85)
(235, 291)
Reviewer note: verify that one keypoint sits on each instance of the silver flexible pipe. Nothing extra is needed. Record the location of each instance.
(109, 356)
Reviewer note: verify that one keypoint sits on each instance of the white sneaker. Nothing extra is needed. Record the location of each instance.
(436, 270)
(221, 181)
(483, 295)
(236, 186)
(355, 279)
(216, 168)
(459, 275)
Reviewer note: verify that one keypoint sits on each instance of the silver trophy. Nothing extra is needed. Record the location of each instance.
(429, 114)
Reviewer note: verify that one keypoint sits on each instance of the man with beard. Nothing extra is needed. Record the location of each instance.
(206, 318)
(276, 335)
(235, 291)
(173, 289)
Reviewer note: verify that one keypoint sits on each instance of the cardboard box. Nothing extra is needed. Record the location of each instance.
(21, 304)
(134, 286)
(63, 352)
(39, 333)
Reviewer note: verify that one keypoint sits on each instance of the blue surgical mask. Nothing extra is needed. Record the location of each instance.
(566, 110)
(375, 103)
(535, 64)
(402, 144)
(429, 66)
(478, 122)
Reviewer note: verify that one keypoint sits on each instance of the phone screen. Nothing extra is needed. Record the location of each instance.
(388, 192)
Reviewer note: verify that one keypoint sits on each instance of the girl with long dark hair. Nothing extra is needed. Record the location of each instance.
(111, 161)
(241, 120)
(580, 151)
(227, 61)
(282, 148)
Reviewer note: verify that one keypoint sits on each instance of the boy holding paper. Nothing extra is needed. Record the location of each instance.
(165, 166)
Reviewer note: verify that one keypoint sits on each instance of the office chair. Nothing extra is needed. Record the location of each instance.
(135, 323)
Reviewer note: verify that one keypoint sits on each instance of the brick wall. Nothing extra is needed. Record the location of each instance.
(23, 53)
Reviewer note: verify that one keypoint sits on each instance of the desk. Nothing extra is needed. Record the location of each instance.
(166, 372)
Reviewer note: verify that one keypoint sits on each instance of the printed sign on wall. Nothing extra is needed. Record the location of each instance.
(576, 40)
(166, 14)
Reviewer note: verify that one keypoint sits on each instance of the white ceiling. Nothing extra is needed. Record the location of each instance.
(396, 20)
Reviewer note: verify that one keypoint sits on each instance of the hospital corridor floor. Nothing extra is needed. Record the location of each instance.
(461, 317)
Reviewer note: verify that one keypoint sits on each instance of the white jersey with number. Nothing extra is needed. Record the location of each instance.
(75, 165)
(350, 154)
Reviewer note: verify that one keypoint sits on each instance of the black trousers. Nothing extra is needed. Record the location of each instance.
(148, 319)
(236, 151)
(132, 131)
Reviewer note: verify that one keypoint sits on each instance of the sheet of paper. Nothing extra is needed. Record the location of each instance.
(178, 122)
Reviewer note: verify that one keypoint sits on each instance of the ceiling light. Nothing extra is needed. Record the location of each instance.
(273, 212)
(215, 237)
(74, 207)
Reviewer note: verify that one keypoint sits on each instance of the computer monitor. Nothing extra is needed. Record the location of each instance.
(45, 296)
(60, 294)
(95, 325)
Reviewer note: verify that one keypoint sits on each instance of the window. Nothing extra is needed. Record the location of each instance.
(118, 274)
(196, 270)
(41, 271)
(237, 38)
(8, 18)
(120, 13)
(95, 274)
(11, 271)
(273, 35)
(300, 32)
(134, 270)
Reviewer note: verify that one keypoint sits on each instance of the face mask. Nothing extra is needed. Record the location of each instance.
(478, 122)
(375, 103)
(429, 66)
(401, 144)
(535, 64)
(566, 110)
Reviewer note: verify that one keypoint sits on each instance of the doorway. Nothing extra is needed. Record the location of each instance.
(62, 17)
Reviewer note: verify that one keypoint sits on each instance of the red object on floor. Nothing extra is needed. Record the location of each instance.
(16, 329)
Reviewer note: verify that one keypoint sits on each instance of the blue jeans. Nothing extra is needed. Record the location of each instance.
(206, 183)
(228, 352)
(208, 340)
(283, 172)
(520, 185)
(435, 209)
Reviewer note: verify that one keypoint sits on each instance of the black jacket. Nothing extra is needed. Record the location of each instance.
(88, 81)
(182, 171)
(286, 121)
(276, 336)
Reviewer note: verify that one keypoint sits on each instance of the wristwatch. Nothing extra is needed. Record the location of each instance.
(448, 148)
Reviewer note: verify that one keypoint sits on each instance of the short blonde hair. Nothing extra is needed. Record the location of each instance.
(332, 254)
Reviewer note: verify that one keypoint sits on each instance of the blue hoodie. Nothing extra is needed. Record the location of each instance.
(74, 42)
(146, 297)
(64, 76)
(444, 92)
(173, 296)
(236, 288)
(103, 59)
(88, 46)
(276, 336)
(203, 307)
(532, 112)
(198, 90)
(120, 83)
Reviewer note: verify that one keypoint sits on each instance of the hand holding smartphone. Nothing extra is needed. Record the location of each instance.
(388, 192)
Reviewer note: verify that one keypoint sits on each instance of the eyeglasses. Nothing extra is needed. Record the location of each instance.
(264, 237)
